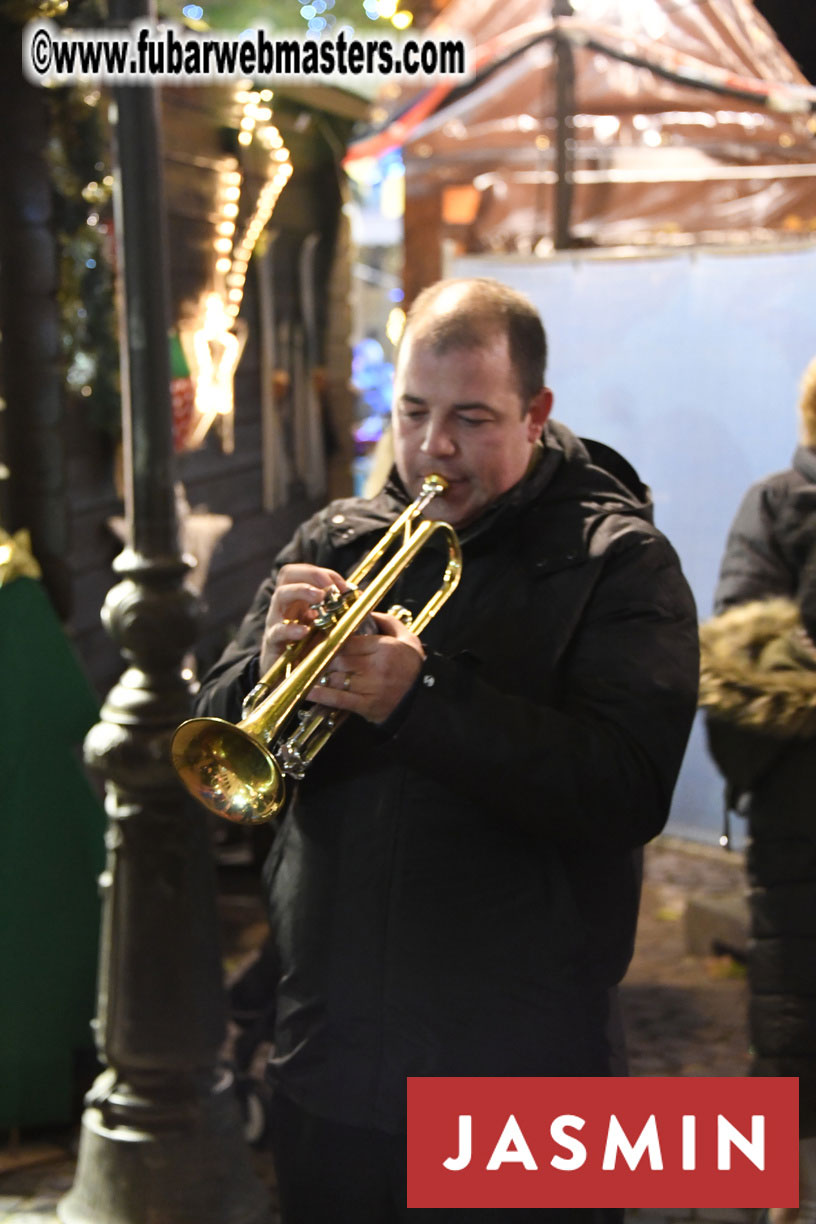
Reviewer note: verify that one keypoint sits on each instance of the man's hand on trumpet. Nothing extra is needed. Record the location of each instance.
(291, 610)
(373, 672)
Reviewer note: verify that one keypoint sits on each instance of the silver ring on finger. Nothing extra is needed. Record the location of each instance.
(347, 682)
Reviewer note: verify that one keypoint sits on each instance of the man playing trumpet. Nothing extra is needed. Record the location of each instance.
(455, 884)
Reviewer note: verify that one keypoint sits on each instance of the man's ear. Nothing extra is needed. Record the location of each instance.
(539, 409)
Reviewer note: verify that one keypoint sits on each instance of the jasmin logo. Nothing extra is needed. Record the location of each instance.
(512, 1147)
(565, 1142)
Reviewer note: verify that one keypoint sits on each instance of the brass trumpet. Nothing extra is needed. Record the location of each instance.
(237, 770)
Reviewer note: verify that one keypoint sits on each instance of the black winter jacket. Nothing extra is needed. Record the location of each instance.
(759, 690)
(761, 559)
(456, 892)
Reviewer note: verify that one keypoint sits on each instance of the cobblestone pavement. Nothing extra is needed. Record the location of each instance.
(685, 1015)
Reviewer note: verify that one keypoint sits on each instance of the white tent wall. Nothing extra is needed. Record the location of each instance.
(688, 364)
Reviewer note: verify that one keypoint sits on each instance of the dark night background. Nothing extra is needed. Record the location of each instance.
(795, 23)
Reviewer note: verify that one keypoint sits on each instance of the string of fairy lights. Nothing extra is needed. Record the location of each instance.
(255, 122)
(214, 338)
(233, 253)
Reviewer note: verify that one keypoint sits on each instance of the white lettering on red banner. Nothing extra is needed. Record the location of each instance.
(616, 1142)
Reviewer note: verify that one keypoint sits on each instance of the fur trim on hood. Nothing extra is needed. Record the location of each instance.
(758, 669)
(807, 405)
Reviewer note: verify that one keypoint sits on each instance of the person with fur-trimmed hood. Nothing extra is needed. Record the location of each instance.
(758, 687)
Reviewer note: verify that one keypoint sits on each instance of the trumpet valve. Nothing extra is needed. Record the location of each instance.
(333, 606)
(402, 614)
(315, 725)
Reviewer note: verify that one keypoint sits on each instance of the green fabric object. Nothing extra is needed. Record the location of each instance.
(178, 362)
(51, 852)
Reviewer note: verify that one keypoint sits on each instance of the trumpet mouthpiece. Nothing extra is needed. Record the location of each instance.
(434, 485)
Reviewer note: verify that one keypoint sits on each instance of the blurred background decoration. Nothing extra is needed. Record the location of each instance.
(315, 16)
(625, 126)
(682, 124)
(585, 124)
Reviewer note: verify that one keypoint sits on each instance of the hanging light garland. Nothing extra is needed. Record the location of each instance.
(232, 263)
(214, 339)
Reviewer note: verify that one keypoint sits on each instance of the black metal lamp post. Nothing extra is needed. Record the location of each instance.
(564, 137)
(161, 1139)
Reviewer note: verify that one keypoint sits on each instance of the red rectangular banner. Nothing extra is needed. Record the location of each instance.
(617, 1142)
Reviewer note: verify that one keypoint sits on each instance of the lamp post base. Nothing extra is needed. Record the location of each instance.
(147, 1159)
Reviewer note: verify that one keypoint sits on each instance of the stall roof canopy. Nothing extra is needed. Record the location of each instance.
(691, 123)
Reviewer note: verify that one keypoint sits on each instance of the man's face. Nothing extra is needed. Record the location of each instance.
(461, 414)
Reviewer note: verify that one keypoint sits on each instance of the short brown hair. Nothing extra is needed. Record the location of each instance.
(478, 308)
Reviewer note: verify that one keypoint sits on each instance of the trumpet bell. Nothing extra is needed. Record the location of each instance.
(228, 770)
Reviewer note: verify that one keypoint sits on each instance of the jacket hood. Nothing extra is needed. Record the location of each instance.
(615, 484)
(758, 669)
(807, 406)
